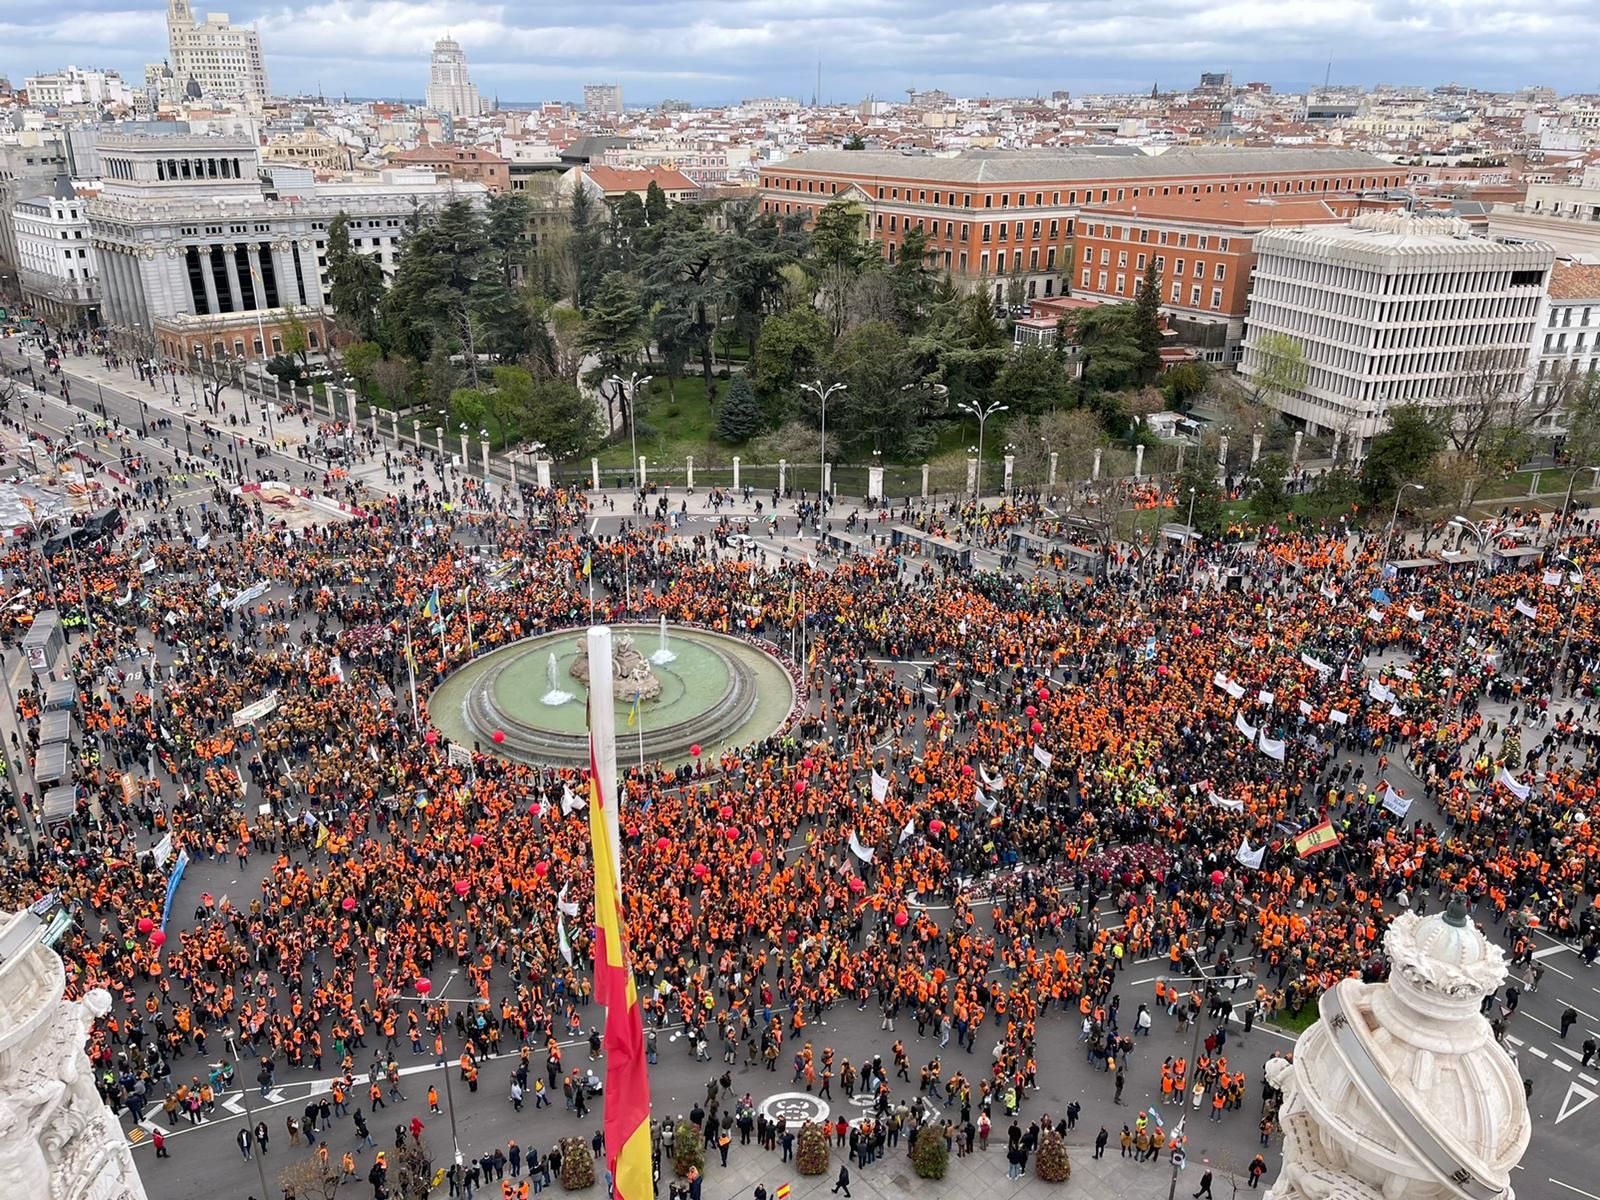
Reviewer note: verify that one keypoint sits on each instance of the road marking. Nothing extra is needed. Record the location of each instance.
(1584, 1098)
(1570, 1188)
(1563, 1065)
(1536, 1052)
(1576, 1009)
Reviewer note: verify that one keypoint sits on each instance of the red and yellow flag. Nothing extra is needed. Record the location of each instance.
(627, 1094)
(1318, 837)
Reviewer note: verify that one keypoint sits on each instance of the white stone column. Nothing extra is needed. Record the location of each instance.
(541, 472)
(350, 398)
(258, 283)
(484, 445)
(1299, 436)
(875, 484)
(689, 473)
(1138, 461)
(1338, 437)
(466, 455)
(827, 478)
(438, 431)
(783, 474)
(972, 476)
(1222, 452)
(594, 473)
(736, 472)
(209, 282)
(1010, 467)
(230, 267)
(416, 432)
(1055, 461)
(643, 481)
(1255, 449)
(925, 472)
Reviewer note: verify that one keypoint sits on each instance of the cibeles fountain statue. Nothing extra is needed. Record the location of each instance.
(631, 675)
(58, 1140)
(1400, 1091)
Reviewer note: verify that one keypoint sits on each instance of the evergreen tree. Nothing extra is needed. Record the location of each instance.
(585, 246)
(1147, 323)
(1199, 476)
(739, 415)
(655, 204)
(355, 283)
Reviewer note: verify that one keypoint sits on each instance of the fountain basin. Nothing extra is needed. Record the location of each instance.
(717, 690)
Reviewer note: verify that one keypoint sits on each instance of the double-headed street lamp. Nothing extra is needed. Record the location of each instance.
(1481, 535)
(630, 388)
(982, 414)
(822, 394)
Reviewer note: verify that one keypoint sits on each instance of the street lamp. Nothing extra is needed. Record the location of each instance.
(1566, 504)
(630, 388)
(822, 394)
(1481, 535)
(982, 414)
(1394, 516)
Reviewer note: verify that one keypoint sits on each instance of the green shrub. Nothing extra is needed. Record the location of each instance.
(577, 1164)
(811, 1150)
(688, 1148)
(930, 1157)
(1053, 1165)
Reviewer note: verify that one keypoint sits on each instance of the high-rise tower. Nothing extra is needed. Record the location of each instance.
(450, 90)
(220, 58)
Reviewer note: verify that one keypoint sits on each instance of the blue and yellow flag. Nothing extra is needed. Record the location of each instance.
(431, 608)
(586, 566)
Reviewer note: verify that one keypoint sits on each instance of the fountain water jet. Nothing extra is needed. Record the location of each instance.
(555, 697)
(662, 654)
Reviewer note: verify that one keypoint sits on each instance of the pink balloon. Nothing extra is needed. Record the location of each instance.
(733, 833)
(935, 826)
(757, 858)
(348, 904)
(424, 986)
(145, 925)
(701, 870)
(900, 919)
(158, 939)
(1031, 711)
(1217, 877)
(430, 737)
(695, 750)
(499, 735)
(462, 887)
(857, 886)
(726, 812)
(541, 869)
(799, 787)
(663, 844)
(476, 840)
(966, 770)
(1038, 727)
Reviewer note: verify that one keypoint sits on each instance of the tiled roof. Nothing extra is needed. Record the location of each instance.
(1574, 281)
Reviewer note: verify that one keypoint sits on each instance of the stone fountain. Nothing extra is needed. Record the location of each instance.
(631, 676)
(663, 654)
(555, 697)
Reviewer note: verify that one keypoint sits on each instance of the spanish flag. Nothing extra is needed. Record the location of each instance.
(431, 608)
(1318, 837)
(627, 1109)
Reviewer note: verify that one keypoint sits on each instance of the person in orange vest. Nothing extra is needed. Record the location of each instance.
(433, 1099)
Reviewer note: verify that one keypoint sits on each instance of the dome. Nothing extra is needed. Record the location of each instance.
(1449, 939)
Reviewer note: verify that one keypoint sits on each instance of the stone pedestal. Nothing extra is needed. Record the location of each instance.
(541, 472)
(594, 473)
(1222, 453)
(58, 1140)
(736, 472)
(416, 433)
(484, 446)
(1255, 449)
(924, 481)
(689, 473)
(642, 480)
(438, 432)
(827, 478)
(1299, 436)
(972, 476)
(1010, 465)
(1138, 461)
(1400, 1092)
(875, 484)
(783, 474)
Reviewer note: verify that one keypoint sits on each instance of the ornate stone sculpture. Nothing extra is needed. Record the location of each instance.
(1400, 1092)
(631, 675)
(58, 1140)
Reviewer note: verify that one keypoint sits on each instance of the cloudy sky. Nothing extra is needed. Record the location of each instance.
(719, 50)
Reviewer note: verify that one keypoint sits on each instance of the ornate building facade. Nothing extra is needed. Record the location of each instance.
(58, 1140)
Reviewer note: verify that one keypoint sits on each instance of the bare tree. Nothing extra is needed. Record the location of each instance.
(310, 1179)
(1490, 413)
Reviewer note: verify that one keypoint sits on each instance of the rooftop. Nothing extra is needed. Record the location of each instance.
(1080, 163)
(1233, 210)
(637, 179)
(1574, 281)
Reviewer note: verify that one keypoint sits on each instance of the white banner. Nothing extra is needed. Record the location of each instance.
(1378, 692)
(1415, 613)
(254, 712)
(162, 851)
(905, 834)
(1552, 579)
(1044, 756)
(1527, 610)
(457, 755)
(571, 802)
(1271, 748)
(1403, 673)
(1395, 800)
(1247, 857)
(1316, 664)
(1266, 697)
(569, 907)
(1230, 805)
(1512, 784)
(1236, 690)
(1374, 615)
(1244, 726)
(251, 594)
(865, 853)
(1305, 709)
(1337, 717)
(995, 783)
(988, 805)
(880, 787)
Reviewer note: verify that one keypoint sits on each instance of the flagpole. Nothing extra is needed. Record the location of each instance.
(638, 710)
(603, 738)
(472, 645)
(411, 672)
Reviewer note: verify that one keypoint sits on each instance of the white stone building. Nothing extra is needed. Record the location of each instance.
(1393, 310)
(58, 1140)
(186, 227)
(1400, 1091)
(56, 265)
(64, 89)
(1564, 216)
(1567, 352)
(450, 89)
(219, 58)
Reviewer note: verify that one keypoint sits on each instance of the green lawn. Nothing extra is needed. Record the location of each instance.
(674, 428)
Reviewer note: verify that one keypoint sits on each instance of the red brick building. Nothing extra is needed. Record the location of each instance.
(468, 163)
(992, 216)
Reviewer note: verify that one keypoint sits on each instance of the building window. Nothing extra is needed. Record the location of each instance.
(1216, 297)
(1194, 295)
(1222, 271)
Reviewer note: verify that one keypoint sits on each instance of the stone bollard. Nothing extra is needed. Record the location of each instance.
(594, 473)
(736, 472)
(783, 474)
(1138, 461)
(689, 474)
(924, 481)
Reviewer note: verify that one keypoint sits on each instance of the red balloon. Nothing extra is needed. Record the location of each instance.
(145, 924)
(462, 887)
(857, 886)
(541, 869)
(476, 840)
(633, 831)
(1194, 631)
(701, 870)
(1038, 727)
(733, 833)
(1217, 877)
(499, 735)
(348, 904)
(807, 763)
(966, 769)
(430, 737)
(1044, 693)
(726, 812)
(757, 858)
(900, 919)
(695, 750)
(663, 844)
(424, 986)
(533, 809)
(799, 787)
(158, 939)
(935, 826)
(1031, 711)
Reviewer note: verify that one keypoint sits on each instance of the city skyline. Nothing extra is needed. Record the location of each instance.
(720, 53)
